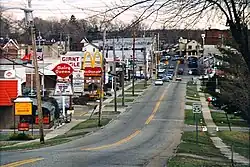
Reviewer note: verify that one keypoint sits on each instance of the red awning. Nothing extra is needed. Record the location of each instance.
(8, 91)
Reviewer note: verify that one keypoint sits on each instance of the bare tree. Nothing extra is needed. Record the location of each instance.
(236, 14)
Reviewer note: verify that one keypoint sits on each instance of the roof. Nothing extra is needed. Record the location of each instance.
(45, 104)
(84, 40)
(13, 42)
(8, 91)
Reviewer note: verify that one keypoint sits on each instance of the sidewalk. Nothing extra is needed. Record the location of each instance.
(56, 132)
(212, 128)
(66, 127)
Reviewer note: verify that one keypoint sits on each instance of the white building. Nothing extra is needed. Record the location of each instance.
(90, 47)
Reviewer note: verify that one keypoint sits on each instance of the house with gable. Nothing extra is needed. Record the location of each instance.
(88, 46)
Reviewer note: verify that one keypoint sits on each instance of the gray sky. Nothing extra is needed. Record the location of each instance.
(62, 9)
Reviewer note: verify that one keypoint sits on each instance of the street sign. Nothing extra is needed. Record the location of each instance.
(78, 82)
(63, 70)
(63, 89)
(74, 61)
(196, 108)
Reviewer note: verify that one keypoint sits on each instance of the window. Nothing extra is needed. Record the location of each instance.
(93, 49)
(189, 46)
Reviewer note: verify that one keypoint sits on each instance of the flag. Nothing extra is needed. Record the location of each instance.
(27, 57)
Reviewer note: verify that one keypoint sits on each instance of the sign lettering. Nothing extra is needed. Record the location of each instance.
(73, 61)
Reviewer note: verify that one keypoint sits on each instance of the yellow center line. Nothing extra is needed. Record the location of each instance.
(23, 162)
(114, 144)
(157, 105)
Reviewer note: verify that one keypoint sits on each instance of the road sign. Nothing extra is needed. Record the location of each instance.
(63, 89)
(74, 61)
(63, 70)
(196, 108)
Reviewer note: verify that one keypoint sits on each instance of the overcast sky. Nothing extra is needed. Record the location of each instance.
(48, 9)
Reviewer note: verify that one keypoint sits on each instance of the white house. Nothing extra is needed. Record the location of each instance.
(193, 48)
(90, 47)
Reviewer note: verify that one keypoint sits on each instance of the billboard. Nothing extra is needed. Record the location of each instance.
(73, 61)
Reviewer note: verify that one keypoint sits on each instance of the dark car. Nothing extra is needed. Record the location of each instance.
(171, 67)
(180, 71)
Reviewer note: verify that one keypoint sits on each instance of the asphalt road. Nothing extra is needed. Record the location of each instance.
(144, 135)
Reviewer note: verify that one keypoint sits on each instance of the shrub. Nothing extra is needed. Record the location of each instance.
(21, 136)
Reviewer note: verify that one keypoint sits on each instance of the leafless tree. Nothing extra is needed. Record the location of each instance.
(236, 14)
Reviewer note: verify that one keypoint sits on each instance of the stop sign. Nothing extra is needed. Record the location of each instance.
(63, 70)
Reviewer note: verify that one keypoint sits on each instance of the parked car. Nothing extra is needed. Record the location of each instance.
(171, 67)
(159, 82)
(178, 78)
(165, 78)
(180, 71)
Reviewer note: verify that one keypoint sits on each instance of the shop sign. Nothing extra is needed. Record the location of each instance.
(63, 70)
(23, 108)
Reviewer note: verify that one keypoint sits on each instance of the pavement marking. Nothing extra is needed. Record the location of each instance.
(23, 162)
(122, 141)
(157, 105)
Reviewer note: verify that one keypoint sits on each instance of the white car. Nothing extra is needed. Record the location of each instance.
(159, 82)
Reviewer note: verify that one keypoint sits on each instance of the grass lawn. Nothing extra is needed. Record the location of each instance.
(90, 123)
(192, 98)
(129, 95)
(119, 100)
(189, 103)
(181, 161)
(4, 137)
(192, 90)
(204, 147)
(35, 145)
(118, 105)
(240, 141)
(110, 112)
(190, 119)
(220, 119)
(139, 86)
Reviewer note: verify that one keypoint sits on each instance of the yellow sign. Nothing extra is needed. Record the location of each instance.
(92, 59)
(23, 108)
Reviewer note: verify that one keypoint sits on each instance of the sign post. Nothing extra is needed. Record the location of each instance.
(63, 70)
(22, 107)
(196, 110)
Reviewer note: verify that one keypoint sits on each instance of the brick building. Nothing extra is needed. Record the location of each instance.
(217, 37)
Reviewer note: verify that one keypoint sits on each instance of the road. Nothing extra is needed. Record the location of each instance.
(144, 135)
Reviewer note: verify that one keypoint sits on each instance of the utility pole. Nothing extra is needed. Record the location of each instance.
(156, 59)
(115, 102)
(133, 65)
(102, 78)
(145, 67)
(38, 88)
(123, 73)
(39, 46)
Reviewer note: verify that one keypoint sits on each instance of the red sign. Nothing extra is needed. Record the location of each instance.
(93, 71)
(23, 126)
(45, 120)
(63, 70)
